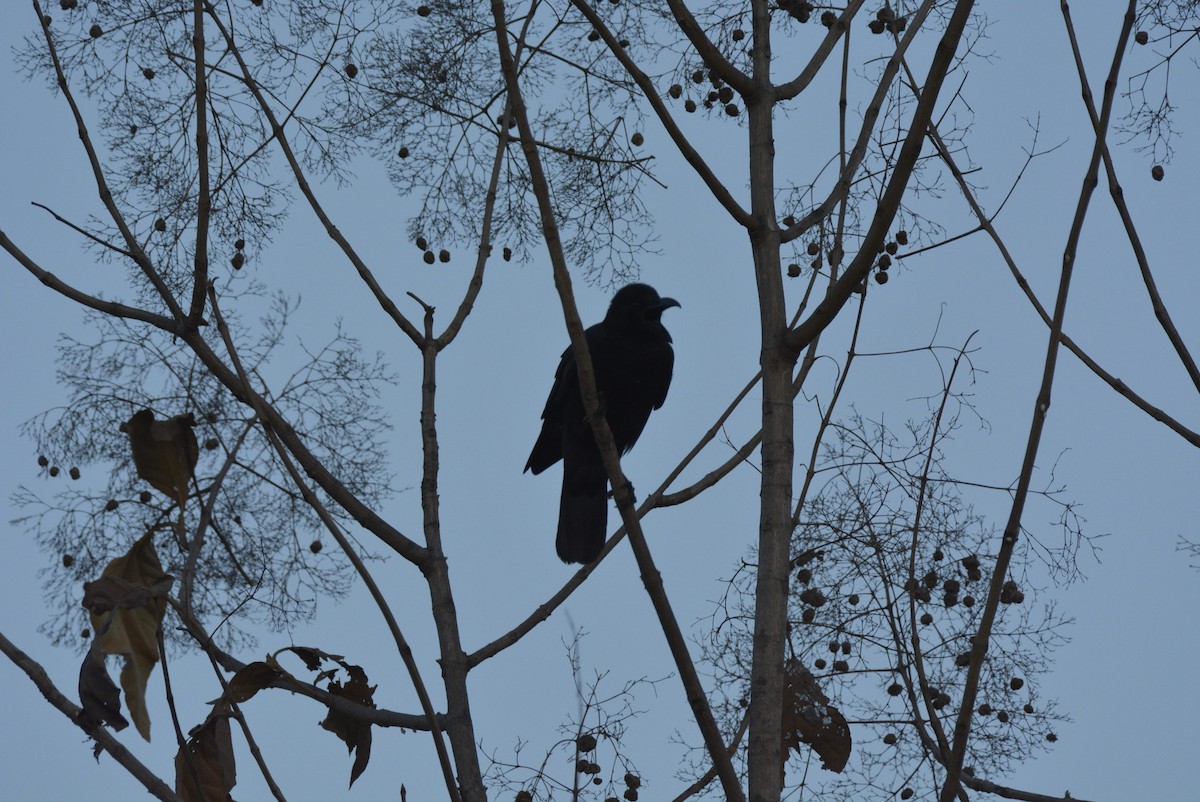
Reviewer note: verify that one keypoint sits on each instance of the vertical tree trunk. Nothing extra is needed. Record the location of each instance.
(460, 728)
(765, 763)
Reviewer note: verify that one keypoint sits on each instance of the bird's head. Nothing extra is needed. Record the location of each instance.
(638, 306)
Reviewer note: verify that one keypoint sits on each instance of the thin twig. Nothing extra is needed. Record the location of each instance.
(979, 647)
(694, 690)
(364, 272)
(380, 600)
(180, 738)
(81, 230)
(236, 711)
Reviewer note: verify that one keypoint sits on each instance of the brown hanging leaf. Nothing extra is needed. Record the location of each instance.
(207, 760)
(809, 718)
(126, 606)
(109, 593)
(249, 680)
(311, 656)
(354, 731)
(99, 696)
(164, 452)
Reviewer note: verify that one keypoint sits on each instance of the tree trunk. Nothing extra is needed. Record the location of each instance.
(460, 728)
(765, 763)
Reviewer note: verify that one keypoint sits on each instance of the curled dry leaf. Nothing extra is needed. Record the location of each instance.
(126, 606)
(809, 718)
(164, 451)
(251, 679)
(206, 761)
(311, 656)
(98, 695)
(112, 592)
(354, 731)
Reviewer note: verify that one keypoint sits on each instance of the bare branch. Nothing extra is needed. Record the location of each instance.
(889, 203)
(302, 183)
(966, 712)
(78, 296)
(693, 157)
(106, 197)
(103, 738)
(376, 594)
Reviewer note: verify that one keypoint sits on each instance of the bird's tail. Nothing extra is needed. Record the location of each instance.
(582, 514)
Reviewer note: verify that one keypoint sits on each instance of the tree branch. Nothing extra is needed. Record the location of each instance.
(106, 197)
(979, 647)
(689, 153)
(332, 527)
(82, 298)
(364, 272)
(885, 211)
(105, 740)
(622, 490)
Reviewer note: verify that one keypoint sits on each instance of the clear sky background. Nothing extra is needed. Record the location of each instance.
(1128, 677)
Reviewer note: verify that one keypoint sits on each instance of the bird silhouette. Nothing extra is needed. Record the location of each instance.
(632, 360)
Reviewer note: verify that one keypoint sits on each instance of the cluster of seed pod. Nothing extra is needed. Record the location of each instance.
(886, 20)
(719, 95)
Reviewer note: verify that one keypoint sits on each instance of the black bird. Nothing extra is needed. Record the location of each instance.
(632, 359)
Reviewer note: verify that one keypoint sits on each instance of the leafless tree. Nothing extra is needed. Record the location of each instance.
(519, 127)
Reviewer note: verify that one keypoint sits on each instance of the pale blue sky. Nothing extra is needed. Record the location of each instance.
(1127, 678)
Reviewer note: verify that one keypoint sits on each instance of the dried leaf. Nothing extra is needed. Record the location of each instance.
(251, 679)
(164, 452)
(311, 656)
(809, 718)
(99, 696)
(355, 732)
(207, 759)
(127, 606)
(111, 592)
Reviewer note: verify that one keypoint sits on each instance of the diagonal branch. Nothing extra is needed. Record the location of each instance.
(364, 272)
(709, 53)
(694, 690)
(856, 272)
(106, 196)
(870, 115)
(311, 499)
(987, 225)
(81, 230)
(313, 467)
(979, 647)
(79, 296)
(103, 738)
(485, 243)
(789, 90)
(1135, 241)
(693, 157)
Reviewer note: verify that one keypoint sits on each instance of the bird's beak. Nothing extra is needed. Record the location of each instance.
(667, 303)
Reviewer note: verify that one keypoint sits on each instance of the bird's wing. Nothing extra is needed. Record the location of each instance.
(668, 370)
(564, 379)
(547, 450)
(564, 399)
